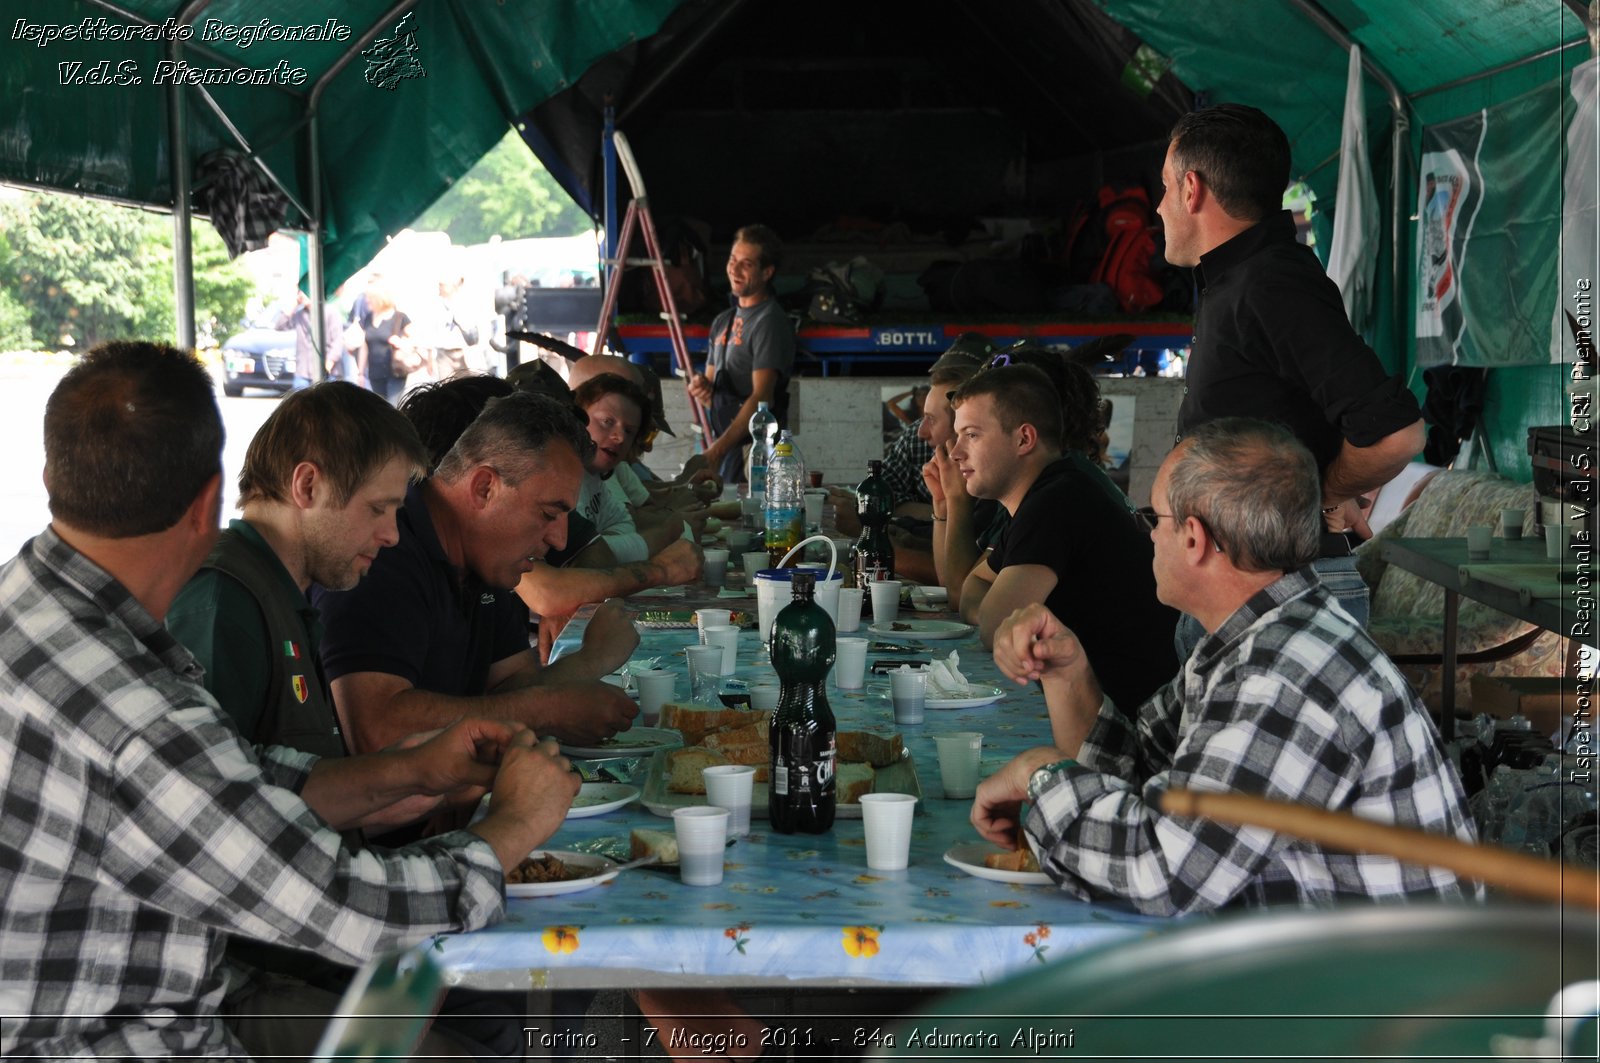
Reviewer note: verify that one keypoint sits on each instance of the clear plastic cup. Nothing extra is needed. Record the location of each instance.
(850, 663)
(887, 819)
(715, 569)
(764, 696)
(959, 756)
(702, 832)
(1478, 538)
(908, 691)
(705, 673)
(731, 786)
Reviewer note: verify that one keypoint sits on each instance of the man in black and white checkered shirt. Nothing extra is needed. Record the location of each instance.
(1286, 698)
(139, 829)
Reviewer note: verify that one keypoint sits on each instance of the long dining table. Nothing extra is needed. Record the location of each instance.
(798, 910)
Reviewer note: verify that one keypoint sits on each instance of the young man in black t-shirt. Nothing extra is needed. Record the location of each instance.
(1072, 542)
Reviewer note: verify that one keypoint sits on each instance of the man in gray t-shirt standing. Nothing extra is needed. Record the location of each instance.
(750, 354)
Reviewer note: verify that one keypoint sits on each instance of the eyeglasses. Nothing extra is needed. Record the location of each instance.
(1147, 518)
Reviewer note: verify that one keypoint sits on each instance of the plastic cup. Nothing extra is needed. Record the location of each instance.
(725, 638)
(885, 599)
(730, 786)
(850, 663)
(656, 688)
(849, 609)
(887, 818)
(704, 662)
(704, 618)
(959, 753)
(764, 697)
(1478, 541)
(827, 593)
(1511, 522)
(702, 835)
(715, 569)
(1555, 541)
(813, 506)
(815, 476)
(754, 561)
(908, 691)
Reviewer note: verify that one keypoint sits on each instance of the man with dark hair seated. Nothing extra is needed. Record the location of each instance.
(1071, 543)
(435, 630)
(582, 572)
(1284, 698)
(140, 829)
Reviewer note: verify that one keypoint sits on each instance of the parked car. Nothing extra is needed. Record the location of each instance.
(258, 357)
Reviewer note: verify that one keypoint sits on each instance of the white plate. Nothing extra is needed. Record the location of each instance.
(598, 798)
(927, 630)
(638, 742)
(978, 694)
(968, 856)
(600, 870)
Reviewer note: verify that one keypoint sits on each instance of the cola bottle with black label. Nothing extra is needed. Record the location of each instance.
(802, 791)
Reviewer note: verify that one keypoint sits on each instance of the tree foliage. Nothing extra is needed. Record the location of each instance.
(507, 194)
(86, 271)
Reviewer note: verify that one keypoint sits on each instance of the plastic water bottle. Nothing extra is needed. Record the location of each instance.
(786, 510)
(763, 437)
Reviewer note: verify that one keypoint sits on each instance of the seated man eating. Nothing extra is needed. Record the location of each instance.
(1284, 698)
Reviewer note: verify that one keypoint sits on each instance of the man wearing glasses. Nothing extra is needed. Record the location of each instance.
(1271, 338)
(1071, 543)
(1284, 698)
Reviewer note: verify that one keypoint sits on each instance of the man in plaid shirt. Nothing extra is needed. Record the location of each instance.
(139, 829)
(1286, 697)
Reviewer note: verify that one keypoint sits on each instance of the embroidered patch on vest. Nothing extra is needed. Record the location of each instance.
(301, 691)
(291, 649)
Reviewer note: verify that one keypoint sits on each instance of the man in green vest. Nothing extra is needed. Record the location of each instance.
(321, 483)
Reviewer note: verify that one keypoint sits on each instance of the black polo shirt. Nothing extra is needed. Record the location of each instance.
(1271, 340)
(419, 617)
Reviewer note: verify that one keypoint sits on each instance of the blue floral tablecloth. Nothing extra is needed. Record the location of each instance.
(803, 907)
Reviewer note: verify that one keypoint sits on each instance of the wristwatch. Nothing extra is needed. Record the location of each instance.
(1041, 776)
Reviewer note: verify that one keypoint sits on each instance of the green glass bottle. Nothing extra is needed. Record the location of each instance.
(802, 791)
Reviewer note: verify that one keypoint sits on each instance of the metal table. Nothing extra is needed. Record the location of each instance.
(1488, 580)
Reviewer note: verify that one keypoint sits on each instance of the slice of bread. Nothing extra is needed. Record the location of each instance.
(1017, 860)
(868, 747)
(742, 745)
(662, 844)
(696, 721)
(852, 781)
(684, 765)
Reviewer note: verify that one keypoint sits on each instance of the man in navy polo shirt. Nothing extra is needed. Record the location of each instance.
(435, 631)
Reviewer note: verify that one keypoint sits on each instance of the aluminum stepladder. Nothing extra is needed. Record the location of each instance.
(638, 216)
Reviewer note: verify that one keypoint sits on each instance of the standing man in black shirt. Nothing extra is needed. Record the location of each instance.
(1271, 338)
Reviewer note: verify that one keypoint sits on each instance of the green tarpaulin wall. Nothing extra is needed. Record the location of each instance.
(387, 155)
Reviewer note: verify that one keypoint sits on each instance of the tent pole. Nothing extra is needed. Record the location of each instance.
(1398, 150)
(178, 158)
(315, 280)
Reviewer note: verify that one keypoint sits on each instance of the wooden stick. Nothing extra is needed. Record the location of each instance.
(1521, 873)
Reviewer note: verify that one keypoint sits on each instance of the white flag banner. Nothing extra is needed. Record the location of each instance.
(1353, 256)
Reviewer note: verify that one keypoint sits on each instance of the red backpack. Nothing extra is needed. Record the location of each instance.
(1122, 226)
